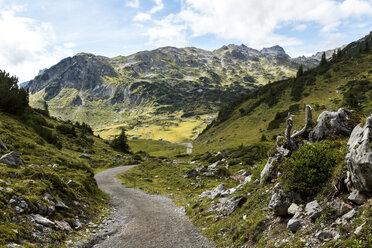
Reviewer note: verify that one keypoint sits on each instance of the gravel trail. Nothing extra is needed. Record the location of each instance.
(141, 220)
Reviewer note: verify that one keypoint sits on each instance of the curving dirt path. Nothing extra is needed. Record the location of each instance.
(141, 220)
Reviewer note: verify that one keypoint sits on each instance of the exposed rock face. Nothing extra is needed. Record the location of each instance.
(313, 209)
(159, 77)
(12, 158)
(3, 146)
(280, 202)
(359, 156)
(330, 123)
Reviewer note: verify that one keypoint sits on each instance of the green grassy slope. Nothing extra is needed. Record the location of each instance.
(48, 164)
(342, 82)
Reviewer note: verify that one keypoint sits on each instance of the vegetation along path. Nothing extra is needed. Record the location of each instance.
(143, 220)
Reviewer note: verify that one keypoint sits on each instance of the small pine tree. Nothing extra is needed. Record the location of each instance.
(120, 143)
(263, 138)
(300, 71)
(323, 60)
(367, 47)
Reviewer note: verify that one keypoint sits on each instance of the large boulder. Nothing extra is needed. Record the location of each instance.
(359, 156)
(313, 209)
(330, 123)
(281, 201)
(3, 146)
(12, 158)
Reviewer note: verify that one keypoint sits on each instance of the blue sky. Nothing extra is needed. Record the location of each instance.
(37, 34)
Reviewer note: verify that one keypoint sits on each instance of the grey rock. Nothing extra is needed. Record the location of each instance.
(281, 201)
(294, 224)
(13, 246)
(208, 174)
(294, 208)
(41, 220)
(357, 197)
(61, 204)
(86, 156)
(76, 224)
(330, 123)
(47, 196)
(341, 207)
(191, 173)
(215, 192)
(12, 158)
(213, 166)
(3, 146)
(348, 216)
(226, 206)
(63, 225)
(19, 204)
(313, 209)
(359, 156)
(324, 236)
(72, 183)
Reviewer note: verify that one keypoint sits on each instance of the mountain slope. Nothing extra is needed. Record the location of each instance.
(190, 81)
(344, 81)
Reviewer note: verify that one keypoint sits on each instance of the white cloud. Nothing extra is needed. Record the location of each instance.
(27, 45)
(69, 45)
(256, 22)
(158, 6)
(133, 3)
(167, 33)
(141, 17)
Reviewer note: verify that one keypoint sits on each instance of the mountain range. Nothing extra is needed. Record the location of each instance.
(185, 82)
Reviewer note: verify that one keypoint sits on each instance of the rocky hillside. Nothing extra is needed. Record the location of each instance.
(344, 81)
(47, 190)
(305, 188)
(190, 81)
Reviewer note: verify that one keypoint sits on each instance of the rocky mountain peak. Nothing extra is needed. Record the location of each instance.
(274, 51)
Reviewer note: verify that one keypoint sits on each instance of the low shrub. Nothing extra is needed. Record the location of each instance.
(310, 167)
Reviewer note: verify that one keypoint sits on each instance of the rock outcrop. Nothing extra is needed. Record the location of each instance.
(330, 123)
(12, 158)
(226, 206)
(359, 156)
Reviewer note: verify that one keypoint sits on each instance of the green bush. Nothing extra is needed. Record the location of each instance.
(309, 168)
(66, 129)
